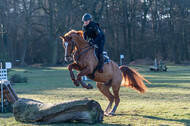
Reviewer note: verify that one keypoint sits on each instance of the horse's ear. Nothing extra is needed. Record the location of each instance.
(80, 33)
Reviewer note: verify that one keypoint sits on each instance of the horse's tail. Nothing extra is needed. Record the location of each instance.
(133, 79)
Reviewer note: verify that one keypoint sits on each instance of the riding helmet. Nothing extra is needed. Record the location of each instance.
(86, 17)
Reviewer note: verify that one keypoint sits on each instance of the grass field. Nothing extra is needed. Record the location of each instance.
(166, 102)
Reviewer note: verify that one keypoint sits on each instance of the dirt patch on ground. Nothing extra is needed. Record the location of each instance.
(145, 61)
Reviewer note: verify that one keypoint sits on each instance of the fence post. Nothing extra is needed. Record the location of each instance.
(1, 88)
(121, 57)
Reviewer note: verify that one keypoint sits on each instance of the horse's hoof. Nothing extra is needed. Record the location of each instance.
(76, 83)
(106, 114)
(89, 86)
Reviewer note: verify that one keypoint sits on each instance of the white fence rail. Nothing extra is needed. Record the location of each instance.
(3, 74)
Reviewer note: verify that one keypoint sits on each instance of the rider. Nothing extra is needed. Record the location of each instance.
(94, 34)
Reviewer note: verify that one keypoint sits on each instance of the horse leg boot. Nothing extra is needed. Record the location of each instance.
(85, 71)
(70, 67)
(101, 63)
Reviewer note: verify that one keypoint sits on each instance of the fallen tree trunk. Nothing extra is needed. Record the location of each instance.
(28, 110)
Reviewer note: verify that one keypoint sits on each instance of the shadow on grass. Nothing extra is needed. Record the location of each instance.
(186, 121)
(6, 115)
(168, 86)
(74, 124)
(9, 115)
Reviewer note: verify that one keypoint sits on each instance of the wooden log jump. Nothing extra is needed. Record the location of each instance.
(28, 110)
(8, 92)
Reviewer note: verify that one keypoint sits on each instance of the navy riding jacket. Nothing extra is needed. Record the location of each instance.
(93, 32)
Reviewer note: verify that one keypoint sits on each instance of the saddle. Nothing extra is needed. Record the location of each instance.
(106, 57)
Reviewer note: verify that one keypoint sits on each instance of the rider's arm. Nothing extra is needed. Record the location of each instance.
(98, 34)
(84, 36)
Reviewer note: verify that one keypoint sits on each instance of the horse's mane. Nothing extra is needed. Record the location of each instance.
(80, 33)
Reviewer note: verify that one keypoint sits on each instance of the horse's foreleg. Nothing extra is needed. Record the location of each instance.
(85, 71)
(105, 90)
(70, 67)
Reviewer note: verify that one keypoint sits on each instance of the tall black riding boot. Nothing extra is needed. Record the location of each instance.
(101, 63)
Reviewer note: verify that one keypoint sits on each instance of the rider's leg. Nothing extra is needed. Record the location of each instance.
(101, 63)
(100, 55)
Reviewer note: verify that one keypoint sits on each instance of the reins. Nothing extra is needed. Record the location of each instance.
(77, 56)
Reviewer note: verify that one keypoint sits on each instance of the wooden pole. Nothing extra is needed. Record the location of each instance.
(1, 89)
(2, 32)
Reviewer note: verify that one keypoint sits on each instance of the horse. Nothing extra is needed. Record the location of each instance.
(85, 61)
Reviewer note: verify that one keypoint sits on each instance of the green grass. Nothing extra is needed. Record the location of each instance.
(166, 102)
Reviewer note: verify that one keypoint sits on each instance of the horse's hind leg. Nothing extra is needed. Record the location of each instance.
(115, 88)
(105, 90)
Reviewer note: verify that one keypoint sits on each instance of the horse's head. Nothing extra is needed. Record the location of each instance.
(69, 44)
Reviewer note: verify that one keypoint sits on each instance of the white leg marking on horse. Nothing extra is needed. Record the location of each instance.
(66, 45)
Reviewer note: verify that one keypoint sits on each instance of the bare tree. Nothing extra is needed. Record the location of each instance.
(135, 28)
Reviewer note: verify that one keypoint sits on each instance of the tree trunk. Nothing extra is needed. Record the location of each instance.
(28, 110)
(55, 50)
(27, 30)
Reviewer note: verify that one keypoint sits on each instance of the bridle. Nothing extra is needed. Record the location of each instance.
(75, 53)
(66, 46)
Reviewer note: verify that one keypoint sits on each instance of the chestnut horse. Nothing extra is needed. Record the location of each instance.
(78, 50)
